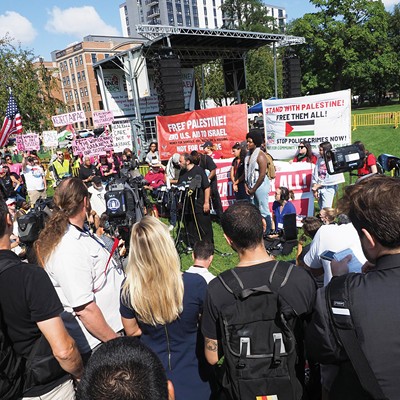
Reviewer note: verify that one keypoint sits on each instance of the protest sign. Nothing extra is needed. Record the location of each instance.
(69, 118)
(223, 126)
(317, 118)
(102, 118)
(295, 176)
(93, 146)
(50, 138)
(27, 142)
(121, 135)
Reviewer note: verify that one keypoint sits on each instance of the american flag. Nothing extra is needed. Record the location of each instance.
(12, 122)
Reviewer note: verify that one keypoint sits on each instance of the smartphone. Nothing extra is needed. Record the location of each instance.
(354, 264)
(327, 255)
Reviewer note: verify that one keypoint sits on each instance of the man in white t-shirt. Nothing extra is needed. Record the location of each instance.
(203, 254)
(35, 179)
(335, 238)
(97, 192)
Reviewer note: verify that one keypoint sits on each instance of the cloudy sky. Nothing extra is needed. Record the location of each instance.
(47, 25)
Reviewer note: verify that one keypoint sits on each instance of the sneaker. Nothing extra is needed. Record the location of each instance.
(171, 228)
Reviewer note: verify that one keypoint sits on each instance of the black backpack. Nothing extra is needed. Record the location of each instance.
(258, 344)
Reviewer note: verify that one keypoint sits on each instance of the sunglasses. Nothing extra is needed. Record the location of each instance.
(60, 154)
(301, 147)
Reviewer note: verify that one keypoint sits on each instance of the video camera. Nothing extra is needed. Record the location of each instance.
(31, 224)
(388, 162)
(344, 159)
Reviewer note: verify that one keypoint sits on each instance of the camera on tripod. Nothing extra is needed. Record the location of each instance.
(344, 159)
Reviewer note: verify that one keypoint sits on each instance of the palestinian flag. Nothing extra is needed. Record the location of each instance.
(299, 128)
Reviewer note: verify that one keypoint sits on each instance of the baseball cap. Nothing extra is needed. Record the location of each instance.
(207, 144)
(155, 162)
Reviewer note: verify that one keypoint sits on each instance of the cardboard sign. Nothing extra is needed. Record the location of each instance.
(92, 146)
(28, 142)
(121, 135)
(102, 118)
(69, 118)
(49, 138)
(223, 126)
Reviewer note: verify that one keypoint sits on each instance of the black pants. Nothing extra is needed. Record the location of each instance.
(198, 227)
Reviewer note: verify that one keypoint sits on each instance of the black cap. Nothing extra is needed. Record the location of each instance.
(207, 144)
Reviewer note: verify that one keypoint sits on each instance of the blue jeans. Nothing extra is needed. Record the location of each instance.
(261, 200)
(326, 194)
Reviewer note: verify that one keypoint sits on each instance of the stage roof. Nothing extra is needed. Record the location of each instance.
(196, 46)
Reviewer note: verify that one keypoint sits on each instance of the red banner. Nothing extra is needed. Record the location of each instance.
(295, 176)
(223, 126)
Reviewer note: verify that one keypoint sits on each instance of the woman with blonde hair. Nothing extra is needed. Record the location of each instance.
(163, 306)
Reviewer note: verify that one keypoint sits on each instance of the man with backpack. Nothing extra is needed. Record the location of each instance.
(356, 322)
(258, 170)
(250, 312)
(37, 355)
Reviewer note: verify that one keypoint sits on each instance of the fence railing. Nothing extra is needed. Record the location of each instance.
(375, 119)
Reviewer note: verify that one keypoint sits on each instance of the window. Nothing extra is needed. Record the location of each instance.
(61, 67)
(84, 107)
(70, 95)
(64, 81)
(90, 121)
(86, 91)
(80, 60)
(76, 61)
(188, 21)
(106, 55)
(66, 96)
(65, 66)
(81, 90)
(78, 107)
(73, 78)
(94, 58)
(88, 107)
(76, 94)
(83, 76)
(79, 76)
(68, 82)
(70, 63)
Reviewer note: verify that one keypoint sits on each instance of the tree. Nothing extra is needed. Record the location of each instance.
(346, 47)
(31, 86)
(244, 15)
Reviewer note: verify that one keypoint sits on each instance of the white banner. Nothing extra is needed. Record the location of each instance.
(115, 96)
(317, 118)
(50, 138)
(69, 118)
(102, 118)
(121, 135)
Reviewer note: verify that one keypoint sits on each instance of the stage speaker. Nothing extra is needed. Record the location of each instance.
(169, 85)
(291, 77)
(234, 74)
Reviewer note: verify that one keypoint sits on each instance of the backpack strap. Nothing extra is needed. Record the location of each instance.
(338, 305)
(234, 285)
(279, 275)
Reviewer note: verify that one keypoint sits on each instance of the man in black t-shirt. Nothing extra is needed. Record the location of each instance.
(243, 227)
(205, 162)
(197, 211)
(88, 171)
(30, 310)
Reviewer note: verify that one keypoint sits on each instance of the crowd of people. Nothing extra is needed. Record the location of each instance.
(92, 322)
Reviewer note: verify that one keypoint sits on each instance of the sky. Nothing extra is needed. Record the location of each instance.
(47, 25)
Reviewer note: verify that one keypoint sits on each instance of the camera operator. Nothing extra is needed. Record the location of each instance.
(197, 211)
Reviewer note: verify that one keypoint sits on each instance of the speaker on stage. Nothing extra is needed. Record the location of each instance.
(169, 85)
(291, 76)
